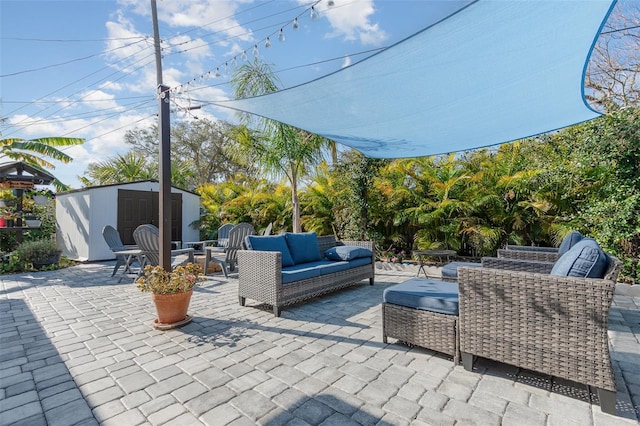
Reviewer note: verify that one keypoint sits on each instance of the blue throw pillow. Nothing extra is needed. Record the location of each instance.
(585, 259)
(569, 241)
(303, 247)
(270, 243)
(347, 253)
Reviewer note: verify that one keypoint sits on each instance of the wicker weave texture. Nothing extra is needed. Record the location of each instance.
(418, 327)
(260, 276)
(517, 265)
(532, 248)
(550, 324)
(542, 256)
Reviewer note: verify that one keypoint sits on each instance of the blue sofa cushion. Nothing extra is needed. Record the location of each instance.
(430, 295)
(585, 259)
(347, 253)
(359, 262)
(450, 270)
(270, 243)
(328, 266)
(303, 247)
(569, 241)
(300, 272)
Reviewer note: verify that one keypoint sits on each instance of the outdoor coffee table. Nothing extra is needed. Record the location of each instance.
(422, 254)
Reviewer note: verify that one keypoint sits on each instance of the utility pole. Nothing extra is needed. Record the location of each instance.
(165, 151)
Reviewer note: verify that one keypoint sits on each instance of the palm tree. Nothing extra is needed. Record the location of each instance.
(281, 150)
(38, 152)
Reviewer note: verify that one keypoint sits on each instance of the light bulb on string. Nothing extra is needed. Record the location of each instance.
(244, 55)
(314, 14)
(296, 25)
(267, 43)
(234, 62)
(330, 3)
(226, 68)
(217, 74)
(281, 35)
(255, 51)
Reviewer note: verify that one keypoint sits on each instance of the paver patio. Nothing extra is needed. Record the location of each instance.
(77, 347)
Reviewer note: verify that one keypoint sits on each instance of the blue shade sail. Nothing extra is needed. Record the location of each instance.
(493, 72)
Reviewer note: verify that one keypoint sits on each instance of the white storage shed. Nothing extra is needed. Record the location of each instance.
(81, 214)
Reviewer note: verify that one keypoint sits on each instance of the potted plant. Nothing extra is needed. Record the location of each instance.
(32, 221)
(40, 196)
(7, 199)
(40, 253)
(171, 292)
(10, 217)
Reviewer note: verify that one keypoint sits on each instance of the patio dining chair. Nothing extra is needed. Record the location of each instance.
(112, 238)
(148, 239)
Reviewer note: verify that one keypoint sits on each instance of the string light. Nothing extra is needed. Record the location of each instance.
(314, 15)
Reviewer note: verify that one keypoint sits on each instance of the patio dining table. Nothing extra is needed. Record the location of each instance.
(421, 255)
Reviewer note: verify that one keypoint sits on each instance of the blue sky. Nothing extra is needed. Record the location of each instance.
(86, 68)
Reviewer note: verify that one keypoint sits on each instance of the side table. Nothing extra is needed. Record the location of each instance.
(420, 255)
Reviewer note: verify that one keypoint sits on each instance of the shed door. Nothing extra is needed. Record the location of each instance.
(140, 207)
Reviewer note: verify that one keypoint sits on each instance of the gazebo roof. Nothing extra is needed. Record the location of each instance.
(18, 174)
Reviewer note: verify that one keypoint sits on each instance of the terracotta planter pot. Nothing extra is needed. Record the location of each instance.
(172, 308)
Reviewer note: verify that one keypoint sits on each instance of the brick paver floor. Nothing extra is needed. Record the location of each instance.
(77, 347)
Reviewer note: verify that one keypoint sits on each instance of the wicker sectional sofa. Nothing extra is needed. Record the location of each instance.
(263, 278)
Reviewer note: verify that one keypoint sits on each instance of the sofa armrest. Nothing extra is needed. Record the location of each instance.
(543, 256)
(517, 265)
(550, 324)
(260, 275)
(188, 251)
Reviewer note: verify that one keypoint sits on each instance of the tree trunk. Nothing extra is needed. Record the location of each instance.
(295, 202)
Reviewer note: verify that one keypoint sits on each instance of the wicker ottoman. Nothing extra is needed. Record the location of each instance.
(423, 312)
(450, 270)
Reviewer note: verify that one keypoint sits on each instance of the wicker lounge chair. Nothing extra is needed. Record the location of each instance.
(148, 239)
(543, 254)
(546, 323)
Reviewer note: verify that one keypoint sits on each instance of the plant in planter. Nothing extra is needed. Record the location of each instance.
(40, 253)
(32, 221)
(10, 216)
(7, 199)
(171, 292)
(40, 196)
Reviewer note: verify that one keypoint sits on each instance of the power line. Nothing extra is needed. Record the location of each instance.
(71, 60)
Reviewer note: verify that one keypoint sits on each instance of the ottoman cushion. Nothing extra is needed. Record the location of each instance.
(427, 294)
(450, 270)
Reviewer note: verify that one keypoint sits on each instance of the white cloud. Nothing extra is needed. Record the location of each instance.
(351, 19)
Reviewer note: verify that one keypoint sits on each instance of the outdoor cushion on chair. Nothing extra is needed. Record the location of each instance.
(419, 293)
(585, 259)
(270, 243)
(450, 270)
(303, 247)
(347, 253)
(569, 241)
